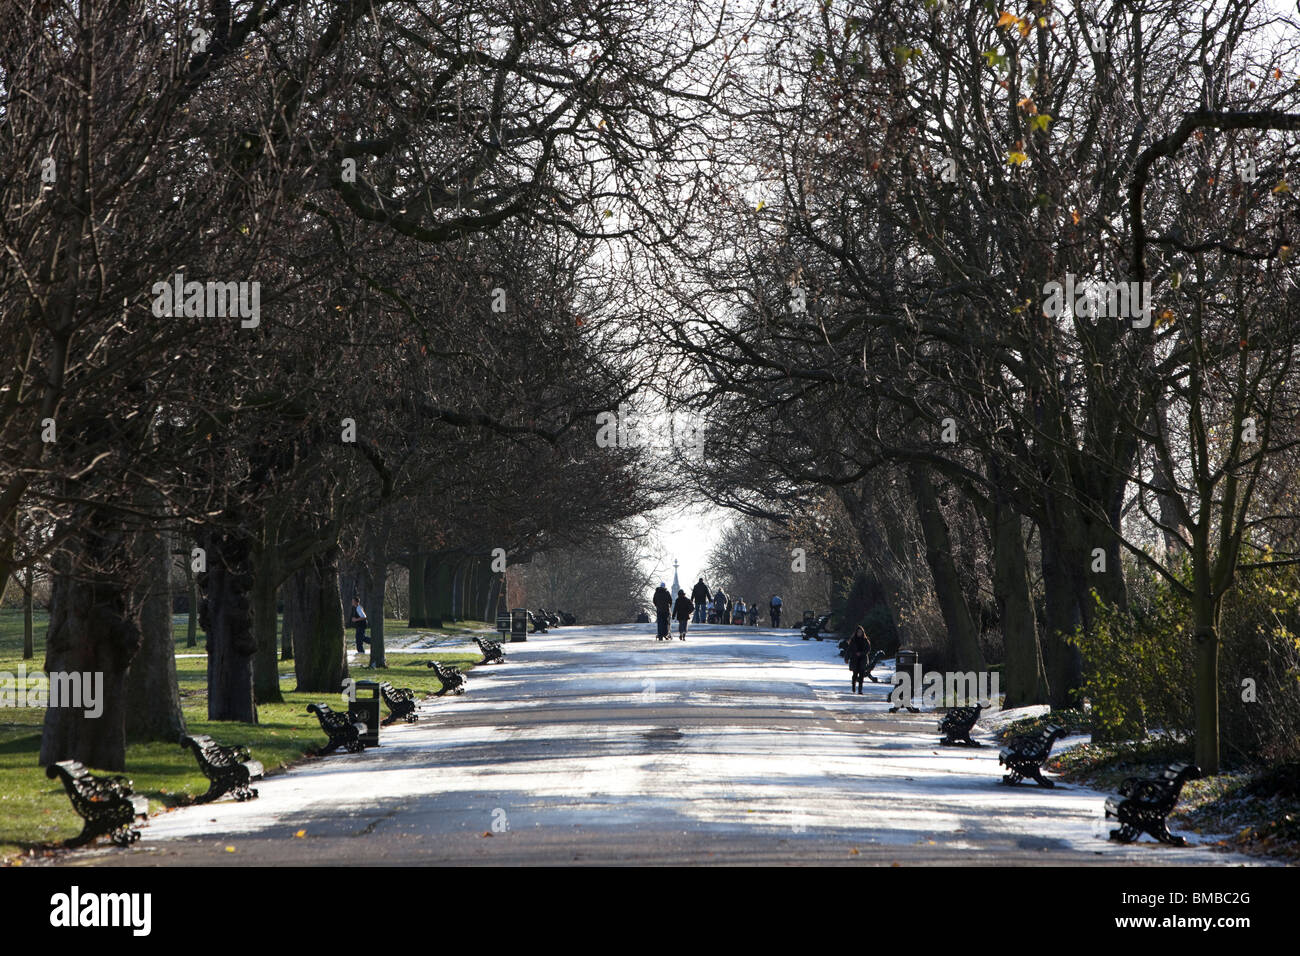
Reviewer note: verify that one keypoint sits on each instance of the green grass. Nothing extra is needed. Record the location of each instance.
(35, 811)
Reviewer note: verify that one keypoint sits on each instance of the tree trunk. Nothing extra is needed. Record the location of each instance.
(320, 656)
(29, 645)
(437, 590)
(1205, 618)
(92, 636)
(266, 663)
(192, 624)
(372, 583)
(227, 620)
(286, 625)
(883, 557)
(415, 590)
(962, 636)
(153, 708)
(295, 590)
(1060, 655)
(1024, 676)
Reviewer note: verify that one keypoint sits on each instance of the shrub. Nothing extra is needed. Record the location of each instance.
(1138, 667)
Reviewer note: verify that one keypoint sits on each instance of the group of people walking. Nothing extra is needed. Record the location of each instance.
(701, 602)
(705, 607)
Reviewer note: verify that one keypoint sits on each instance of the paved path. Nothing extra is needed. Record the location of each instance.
(601, 745)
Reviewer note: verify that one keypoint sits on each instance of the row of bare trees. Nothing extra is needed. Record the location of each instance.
(873, 316)
(286, 284)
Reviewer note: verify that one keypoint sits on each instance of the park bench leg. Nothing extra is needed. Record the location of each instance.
(215, 790)
(88, 833)
(1125, 834)
(1160, 830)
(125, 835)
(1042, 781)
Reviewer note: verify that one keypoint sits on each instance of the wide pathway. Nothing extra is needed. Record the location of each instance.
(601, 745)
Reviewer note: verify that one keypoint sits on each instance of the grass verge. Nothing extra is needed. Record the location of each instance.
(35, 812)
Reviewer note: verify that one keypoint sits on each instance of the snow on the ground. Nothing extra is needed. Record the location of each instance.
(742, 728)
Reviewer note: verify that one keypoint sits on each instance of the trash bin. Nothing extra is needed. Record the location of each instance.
(518, 624)
(365, 708)
(905, 662)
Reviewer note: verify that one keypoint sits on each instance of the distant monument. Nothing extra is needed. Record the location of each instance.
(676, 586)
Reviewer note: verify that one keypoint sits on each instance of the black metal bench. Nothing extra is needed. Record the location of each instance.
(228, 769)
(539, 625)
(493, 653)
(957, 723)
(816, 627)
(1148, 802)
(452, 679)
(106, 804)
(400, 702)
(341, 731)
(1024, 755)
(568, 619)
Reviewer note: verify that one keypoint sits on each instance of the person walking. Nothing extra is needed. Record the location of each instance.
(724, 609)
(700, 596)
(858, 653)
(774, 610)
(682, 609)
(359, 622)
(663, 602)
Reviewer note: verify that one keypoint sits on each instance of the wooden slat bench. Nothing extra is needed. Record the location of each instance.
(1025, 755)
(452, 679)
(493, 653)
(341, 731)
(228, 769)
(957, 724)
(1148, 802)
(106, 804)
(400, 702)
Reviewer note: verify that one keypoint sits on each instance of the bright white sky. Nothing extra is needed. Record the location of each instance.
(686, 534)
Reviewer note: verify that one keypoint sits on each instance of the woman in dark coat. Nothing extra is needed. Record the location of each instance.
(682, 609)
(858, 654)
